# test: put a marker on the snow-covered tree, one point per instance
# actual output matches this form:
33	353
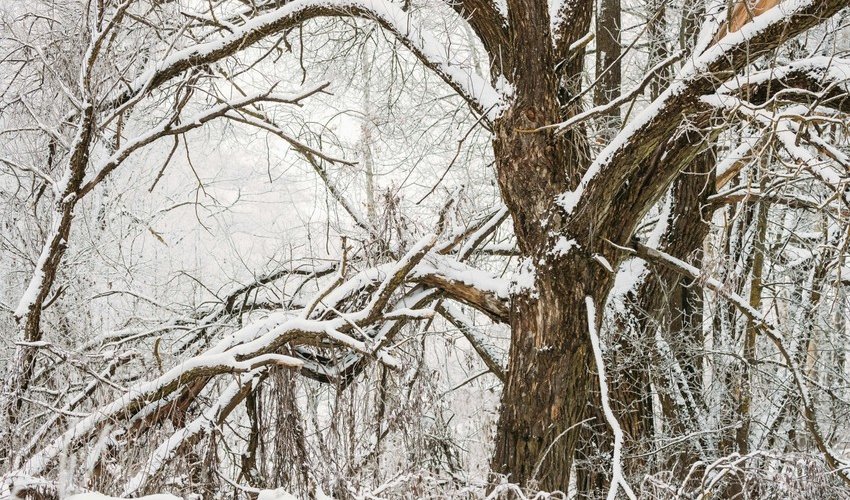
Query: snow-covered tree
672	220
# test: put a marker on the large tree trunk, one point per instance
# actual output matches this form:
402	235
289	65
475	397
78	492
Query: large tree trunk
548	381
550	378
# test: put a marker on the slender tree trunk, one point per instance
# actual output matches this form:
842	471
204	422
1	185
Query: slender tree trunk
659	49
366	61
742	435
608	68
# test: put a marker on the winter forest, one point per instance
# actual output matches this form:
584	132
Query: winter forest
444	249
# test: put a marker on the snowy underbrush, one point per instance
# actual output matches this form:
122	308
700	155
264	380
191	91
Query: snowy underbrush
790	476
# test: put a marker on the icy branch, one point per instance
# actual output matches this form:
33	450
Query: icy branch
618	479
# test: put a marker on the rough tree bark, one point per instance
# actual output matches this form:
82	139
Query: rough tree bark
548	381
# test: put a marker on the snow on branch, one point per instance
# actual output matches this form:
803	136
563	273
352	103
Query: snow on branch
639	138
36	283
618	479
213	416
823	69
787	132
483	231
466	284
764	326
477	91
728	167
651	75
139	396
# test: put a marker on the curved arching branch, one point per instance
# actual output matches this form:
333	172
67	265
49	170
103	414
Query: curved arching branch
487	22
475	90
260	344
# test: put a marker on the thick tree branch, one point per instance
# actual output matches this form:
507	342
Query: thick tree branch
623	163
487	22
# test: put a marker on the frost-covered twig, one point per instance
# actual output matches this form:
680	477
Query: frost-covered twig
833	460
213	416
618	479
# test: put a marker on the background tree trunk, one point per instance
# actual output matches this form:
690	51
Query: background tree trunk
608	67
